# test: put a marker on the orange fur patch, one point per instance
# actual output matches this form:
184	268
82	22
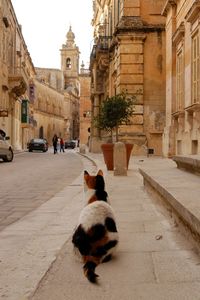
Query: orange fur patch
91	180
92	199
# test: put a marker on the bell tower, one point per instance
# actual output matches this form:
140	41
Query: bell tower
70	63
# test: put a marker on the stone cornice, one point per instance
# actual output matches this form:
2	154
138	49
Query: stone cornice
194	12
167	6
137	24
179	33
139	36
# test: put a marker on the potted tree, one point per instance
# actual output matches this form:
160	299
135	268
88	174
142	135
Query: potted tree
114	112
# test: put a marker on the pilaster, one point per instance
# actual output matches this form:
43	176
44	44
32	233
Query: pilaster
130	72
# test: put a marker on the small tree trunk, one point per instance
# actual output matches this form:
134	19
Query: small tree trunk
117	136
112	136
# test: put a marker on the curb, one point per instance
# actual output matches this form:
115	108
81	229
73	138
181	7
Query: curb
185	212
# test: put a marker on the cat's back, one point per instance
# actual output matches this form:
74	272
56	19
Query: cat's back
95	212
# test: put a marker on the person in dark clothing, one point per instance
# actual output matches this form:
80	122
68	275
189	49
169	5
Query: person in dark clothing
55	141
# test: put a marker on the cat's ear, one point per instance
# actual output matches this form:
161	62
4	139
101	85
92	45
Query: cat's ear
100	172
86	174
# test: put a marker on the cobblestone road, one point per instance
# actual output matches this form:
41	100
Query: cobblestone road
33	178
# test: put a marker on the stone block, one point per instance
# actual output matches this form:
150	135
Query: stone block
120	161
132	68
134	58
132	3
134	79
131	48
138	109
137	119
132	11
82	149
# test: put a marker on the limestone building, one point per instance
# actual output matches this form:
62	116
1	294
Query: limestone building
16	77
35	102
65	81
85	105
182	130
129	55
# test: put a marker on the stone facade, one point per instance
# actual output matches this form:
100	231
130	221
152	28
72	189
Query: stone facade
35	102
85	105
48	112
66	82
182	130
16	74
129	55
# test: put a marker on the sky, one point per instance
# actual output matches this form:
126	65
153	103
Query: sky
45	24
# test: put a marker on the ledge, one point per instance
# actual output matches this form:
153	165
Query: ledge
192	108
177	114
178	192
188	163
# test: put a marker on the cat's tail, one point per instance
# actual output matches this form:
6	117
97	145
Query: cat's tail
89	271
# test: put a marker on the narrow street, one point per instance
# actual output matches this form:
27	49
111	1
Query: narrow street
42	192
32	179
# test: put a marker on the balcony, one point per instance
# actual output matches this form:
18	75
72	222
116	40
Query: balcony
18	81
100	52
104	43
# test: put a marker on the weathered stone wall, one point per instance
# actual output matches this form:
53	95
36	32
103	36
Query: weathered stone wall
49	111
181	134
85	108
132	58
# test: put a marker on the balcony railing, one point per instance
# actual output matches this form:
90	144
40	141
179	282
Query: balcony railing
18	80
104	42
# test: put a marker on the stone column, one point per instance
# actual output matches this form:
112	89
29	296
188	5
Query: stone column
119	158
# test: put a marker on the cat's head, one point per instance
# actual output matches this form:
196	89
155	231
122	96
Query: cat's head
94	187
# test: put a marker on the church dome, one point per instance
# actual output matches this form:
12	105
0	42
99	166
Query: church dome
70	35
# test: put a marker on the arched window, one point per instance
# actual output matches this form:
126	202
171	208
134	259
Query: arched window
68	63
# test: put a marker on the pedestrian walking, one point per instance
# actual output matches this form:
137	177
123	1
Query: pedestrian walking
62	148
55	141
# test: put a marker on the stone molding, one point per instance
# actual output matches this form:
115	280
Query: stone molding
179	33
194	12
168	4
137	24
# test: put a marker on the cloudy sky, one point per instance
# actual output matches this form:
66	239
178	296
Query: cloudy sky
45	24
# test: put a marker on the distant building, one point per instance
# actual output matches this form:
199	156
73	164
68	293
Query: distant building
66	82
36	102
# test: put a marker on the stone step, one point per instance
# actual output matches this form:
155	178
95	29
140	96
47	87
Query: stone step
179	191
190	163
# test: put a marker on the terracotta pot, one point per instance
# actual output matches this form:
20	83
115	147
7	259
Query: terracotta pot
108	154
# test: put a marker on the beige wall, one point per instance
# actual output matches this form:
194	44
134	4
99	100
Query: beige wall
16	73
51	109
129	55
48	111
85	107
181	134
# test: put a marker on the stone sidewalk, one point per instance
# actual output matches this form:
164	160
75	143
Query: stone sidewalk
154	260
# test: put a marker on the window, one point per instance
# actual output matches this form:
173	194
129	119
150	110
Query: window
179	81
194	147
68	63
195	68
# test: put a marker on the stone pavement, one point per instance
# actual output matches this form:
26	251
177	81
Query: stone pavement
154	260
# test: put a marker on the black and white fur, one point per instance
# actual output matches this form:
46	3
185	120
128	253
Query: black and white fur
96	235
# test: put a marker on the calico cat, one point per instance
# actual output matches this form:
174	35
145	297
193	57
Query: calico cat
96	235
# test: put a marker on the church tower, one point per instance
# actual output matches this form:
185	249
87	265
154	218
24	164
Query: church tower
70	63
